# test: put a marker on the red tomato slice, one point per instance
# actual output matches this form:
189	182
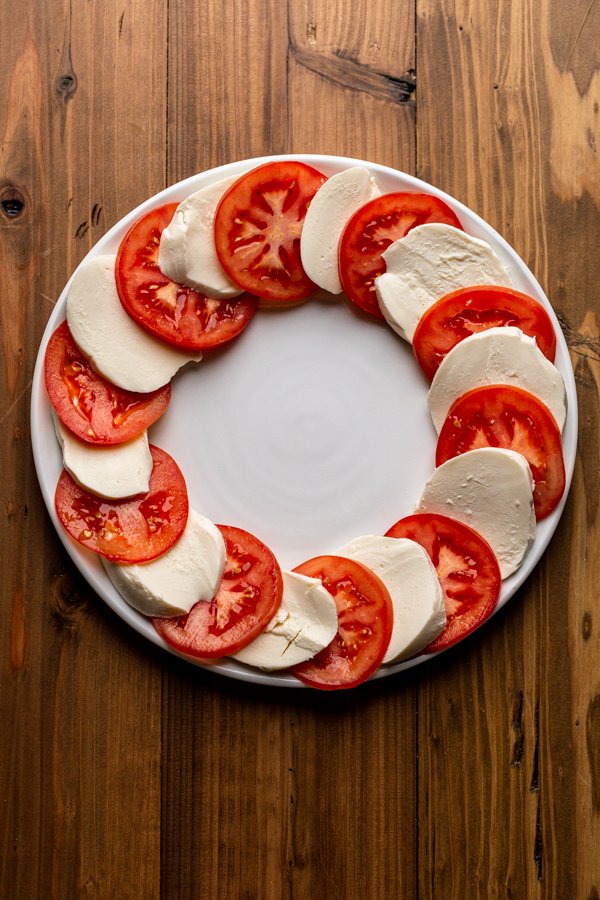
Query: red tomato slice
508	417
134	530
372	229
170	311
472	309
365	619
91	407
467	569
258	225
247	599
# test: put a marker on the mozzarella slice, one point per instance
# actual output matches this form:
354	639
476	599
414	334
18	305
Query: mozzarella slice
114	472
191	570
114	344
497	356
187	252
429	262
329	211
492	491
305	623
416	592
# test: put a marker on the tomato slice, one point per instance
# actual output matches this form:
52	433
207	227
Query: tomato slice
472	309
372	229
134	530
365	619
173	312
258	225
248	597
91	407
466	566
505	416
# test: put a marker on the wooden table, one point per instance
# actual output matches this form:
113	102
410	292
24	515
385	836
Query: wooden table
126	774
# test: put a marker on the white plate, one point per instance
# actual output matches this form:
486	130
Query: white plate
310	429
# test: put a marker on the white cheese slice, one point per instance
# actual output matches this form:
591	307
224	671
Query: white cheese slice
190	571
114	472
492	491
329	211
416	592
187	252
497	356
305	623
429	262
114	344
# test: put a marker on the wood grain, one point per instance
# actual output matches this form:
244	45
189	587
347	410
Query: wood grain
508	122
126	774
80	742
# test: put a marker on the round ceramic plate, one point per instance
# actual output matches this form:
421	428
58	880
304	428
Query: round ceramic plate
309	429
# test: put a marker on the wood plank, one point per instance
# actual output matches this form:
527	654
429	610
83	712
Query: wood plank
351	79
270	793
273	797
508	732
227	83
80	697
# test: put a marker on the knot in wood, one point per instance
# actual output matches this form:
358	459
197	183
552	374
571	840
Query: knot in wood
12	201
405	85
586	626
67	601
66	85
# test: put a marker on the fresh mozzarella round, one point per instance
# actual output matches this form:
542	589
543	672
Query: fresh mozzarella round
171	584
116	347
429	262
491	490
329	211
305	623
416	592
187	252
114	472
497	356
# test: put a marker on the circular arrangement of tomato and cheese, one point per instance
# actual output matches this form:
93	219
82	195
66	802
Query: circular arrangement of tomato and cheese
188	279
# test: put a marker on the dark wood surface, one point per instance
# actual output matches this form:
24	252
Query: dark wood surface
127	774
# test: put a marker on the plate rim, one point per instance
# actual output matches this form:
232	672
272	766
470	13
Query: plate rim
96	576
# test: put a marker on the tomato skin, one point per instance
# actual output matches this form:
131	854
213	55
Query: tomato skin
258	224
363	603
472	309
252	574
172	312
92	408
467	568
135	530
508	417
372	229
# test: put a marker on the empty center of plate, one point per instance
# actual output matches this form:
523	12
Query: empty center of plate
308	430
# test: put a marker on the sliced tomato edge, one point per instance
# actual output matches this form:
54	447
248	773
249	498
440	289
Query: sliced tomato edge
546	509
86	439
344	239
210	657
498	579
112	557
451	295
184	345
333	686
484	616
